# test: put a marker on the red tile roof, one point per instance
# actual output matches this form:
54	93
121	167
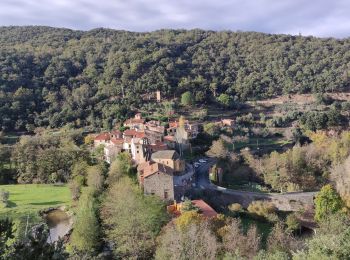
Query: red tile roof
169	138
117	141
102	137
205	209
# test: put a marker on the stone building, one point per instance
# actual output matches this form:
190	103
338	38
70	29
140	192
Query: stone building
169	158
158	179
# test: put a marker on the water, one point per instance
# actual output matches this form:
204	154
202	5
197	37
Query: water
59	224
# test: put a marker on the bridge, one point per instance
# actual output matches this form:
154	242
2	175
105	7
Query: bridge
291	201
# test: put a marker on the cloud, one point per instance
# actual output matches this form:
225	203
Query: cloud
320	18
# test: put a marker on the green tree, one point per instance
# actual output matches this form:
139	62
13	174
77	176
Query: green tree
86	230
327	202
120	167
132	221
211	129
95	178
187	99
225	100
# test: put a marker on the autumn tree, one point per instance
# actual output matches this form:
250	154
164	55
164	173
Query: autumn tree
340	174
237	243
195	242
218	149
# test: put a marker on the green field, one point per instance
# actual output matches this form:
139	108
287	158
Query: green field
27	199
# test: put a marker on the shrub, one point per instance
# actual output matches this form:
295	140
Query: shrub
263	209
292	222
235	208
187	205
4	196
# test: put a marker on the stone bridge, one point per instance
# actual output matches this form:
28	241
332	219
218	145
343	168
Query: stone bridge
292	201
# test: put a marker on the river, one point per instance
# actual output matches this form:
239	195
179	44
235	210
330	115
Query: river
59	224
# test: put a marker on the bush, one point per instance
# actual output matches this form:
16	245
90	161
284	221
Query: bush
292	222
4	197
263	209
235	208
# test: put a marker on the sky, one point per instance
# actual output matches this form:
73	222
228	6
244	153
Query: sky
323	18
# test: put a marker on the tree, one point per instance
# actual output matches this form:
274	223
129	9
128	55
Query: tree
131	221
236	243
6	235
187	99
35	246
327	202
75	189
292	223
225	100
195	242
120	167
95	178
332	240
212	129
218	149
85	235
340	174
280	240
187	218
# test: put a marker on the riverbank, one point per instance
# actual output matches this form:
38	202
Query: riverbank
26	200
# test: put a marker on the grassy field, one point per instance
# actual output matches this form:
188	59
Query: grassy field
27	199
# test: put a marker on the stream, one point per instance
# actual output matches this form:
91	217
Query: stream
59	224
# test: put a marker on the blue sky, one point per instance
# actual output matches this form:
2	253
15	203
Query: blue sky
322	18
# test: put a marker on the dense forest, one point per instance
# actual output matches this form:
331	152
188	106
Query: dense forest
51	77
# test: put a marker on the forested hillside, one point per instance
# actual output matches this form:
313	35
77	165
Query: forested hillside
50	77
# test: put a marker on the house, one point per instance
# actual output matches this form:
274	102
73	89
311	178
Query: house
158	146
170	141
112	149
116	134
158	180
102	138
169	158
127	144
137	150
154	136
132	133
227	122
135	123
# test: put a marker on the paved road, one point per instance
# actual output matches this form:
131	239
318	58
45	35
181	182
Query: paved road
284	201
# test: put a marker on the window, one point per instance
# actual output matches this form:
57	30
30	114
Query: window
153	192
166	194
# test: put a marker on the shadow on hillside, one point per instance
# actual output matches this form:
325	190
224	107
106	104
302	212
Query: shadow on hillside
47	203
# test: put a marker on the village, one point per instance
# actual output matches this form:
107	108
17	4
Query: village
157	152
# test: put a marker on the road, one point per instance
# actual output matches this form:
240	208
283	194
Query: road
291	201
